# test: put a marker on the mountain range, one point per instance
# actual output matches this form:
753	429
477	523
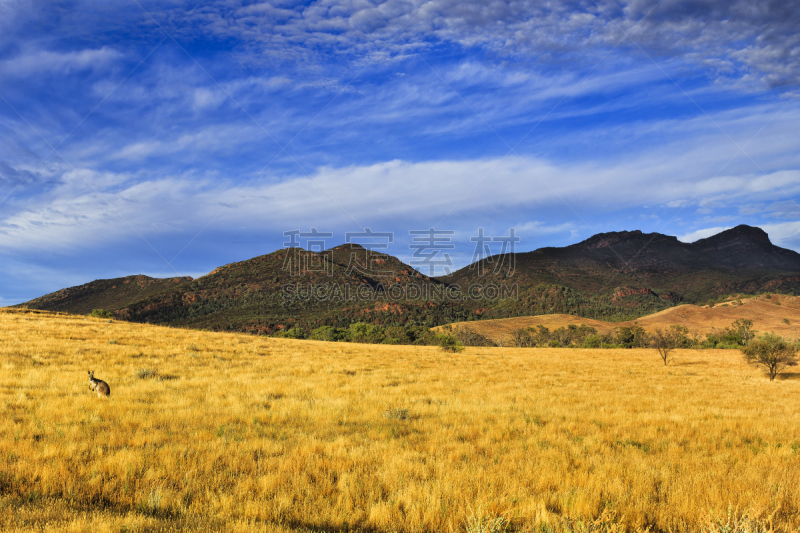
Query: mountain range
610	276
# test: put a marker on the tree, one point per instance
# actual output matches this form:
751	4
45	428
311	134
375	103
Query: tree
664	342
771	352
631	337
522	338
324	333
467	337
744	329
101	313
448	343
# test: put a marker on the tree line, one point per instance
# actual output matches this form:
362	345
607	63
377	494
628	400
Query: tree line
768	351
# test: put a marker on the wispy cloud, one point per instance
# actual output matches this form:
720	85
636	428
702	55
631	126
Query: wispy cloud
701	234
224	123
47	62
740	42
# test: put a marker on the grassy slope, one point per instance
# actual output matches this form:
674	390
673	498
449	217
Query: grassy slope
766	314
257	434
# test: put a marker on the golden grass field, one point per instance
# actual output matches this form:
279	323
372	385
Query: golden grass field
225	432
767	314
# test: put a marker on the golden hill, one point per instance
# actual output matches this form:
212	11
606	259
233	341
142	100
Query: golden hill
767	314
227	432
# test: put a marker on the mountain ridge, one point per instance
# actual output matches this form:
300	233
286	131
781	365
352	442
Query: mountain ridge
614	275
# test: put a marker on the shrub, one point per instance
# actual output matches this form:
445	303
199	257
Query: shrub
101	313
397	333
592	341
448	343
467	337
292	333
324	333
771	352
146	373
366	333
486	523
632	337
397	413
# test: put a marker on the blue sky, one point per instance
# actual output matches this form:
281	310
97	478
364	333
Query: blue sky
168	138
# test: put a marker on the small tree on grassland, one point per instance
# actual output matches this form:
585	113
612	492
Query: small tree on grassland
664	342
449	343
771	352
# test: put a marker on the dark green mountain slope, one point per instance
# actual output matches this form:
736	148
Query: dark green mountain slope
108	294
293	287
611	276
649	270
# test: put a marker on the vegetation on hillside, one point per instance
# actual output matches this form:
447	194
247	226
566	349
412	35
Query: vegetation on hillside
613	277
737	335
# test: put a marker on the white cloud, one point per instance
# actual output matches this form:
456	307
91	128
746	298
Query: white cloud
37	62
737	41
377	195
702	234
785	234
208	99
538	228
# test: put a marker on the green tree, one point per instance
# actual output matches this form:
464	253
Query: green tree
744	330
771	352
625	336
364	333
396	333
324	333
292	333
593	341
449	343
467	337
541	337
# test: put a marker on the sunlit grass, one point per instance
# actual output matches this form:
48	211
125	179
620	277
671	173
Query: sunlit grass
209	431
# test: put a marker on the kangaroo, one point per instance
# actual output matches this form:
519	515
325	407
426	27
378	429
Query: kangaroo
100	386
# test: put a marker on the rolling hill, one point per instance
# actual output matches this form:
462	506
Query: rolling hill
270	292
104	294
741	259
778	313
609	277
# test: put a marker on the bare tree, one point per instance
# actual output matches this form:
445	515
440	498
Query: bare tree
771	352
502	340
664	342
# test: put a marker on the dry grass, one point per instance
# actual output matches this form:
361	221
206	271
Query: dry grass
779	314
259	434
